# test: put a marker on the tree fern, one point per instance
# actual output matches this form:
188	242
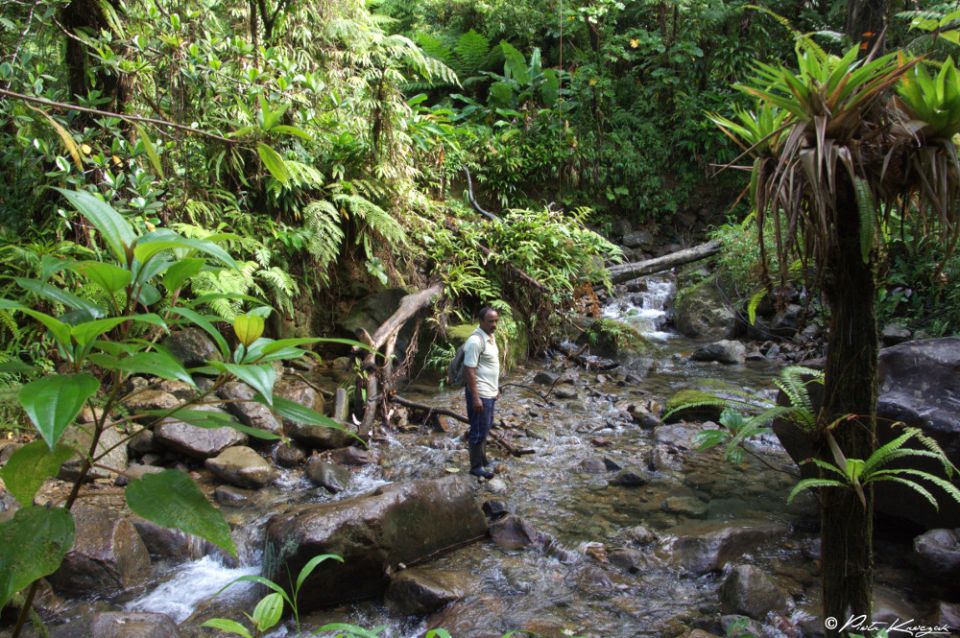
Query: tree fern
472	49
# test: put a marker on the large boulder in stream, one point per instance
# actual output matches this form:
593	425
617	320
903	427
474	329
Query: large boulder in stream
919	386
701	311
243	467
309	436
704	546
420	591
397	523
107	556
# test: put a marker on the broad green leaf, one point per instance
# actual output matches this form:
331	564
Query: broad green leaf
84	333
248	328
312	565
30	466
204	323
110	277
53	293
290	130
346	630
159	364
274	163
179	272
229	626
307	416
53	402
171	499
116	231
268	611
514	63
151	151
259	377
145	250
32	545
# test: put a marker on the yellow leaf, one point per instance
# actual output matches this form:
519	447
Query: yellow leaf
65	137
86	149
248	328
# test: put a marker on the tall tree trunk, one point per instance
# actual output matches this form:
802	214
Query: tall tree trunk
866	20
846	548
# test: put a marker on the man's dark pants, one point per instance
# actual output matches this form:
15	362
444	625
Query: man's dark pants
480	422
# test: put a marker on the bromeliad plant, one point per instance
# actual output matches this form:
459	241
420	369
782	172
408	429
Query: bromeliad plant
98	346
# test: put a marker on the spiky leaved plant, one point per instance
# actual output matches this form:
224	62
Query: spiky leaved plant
850	155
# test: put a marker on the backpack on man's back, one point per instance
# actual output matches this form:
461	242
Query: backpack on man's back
456	373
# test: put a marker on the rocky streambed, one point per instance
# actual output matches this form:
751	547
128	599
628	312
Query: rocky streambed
609	524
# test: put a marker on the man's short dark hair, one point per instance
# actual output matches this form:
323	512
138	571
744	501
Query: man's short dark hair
486	310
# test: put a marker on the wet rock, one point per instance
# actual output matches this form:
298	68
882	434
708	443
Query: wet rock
288	455
565	392
704	546
496	486
512	532
193	347
483	616
700	633
938	552
593	581
8	505
194	441
310	436
611	466
726	352
422	591
640	535
629	478
786	322
890	606
110	442
893	334
351	456
243	467
688	506
747	590
495	509
150	399
642	239
142	443
233	496
327	475
107	556
397	523
701	311
164	543
948	615
592	466
678	436
630	560
250	413
136	471
133	625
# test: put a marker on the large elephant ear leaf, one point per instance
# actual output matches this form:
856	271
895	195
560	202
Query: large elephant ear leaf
171	499
30	466
32	545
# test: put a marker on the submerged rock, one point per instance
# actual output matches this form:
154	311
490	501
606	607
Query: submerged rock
397	523
704	546
133	625
512	532
422	591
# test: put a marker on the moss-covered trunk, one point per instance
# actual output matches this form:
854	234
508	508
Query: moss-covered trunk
850	389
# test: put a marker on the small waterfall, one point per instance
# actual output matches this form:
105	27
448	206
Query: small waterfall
645	310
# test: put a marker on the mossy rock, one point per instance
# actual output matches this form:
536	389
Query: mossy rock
700	310
609	338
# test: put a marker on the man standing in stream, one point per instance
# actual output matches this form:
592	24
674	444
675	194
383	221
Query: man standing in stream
481	362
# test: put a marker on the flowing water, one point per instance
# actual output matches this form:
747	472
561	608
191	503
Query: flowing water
618	565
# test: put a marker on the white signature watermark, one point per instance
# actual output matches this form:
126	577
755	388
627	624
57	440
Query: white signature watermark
908	627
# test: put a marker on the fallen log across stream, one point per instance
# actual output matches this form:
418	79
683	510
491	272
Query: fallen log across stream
625	272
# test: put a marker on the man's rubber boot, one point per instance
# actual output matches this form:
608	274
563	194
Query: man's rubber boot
476	462
483	457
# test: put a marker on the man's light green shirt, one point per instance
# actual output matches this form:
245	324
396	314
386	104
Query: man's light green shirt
487	363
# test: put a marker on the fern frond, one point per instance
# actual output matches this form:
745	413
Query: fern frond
919	489
807	484
946	486
323	219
